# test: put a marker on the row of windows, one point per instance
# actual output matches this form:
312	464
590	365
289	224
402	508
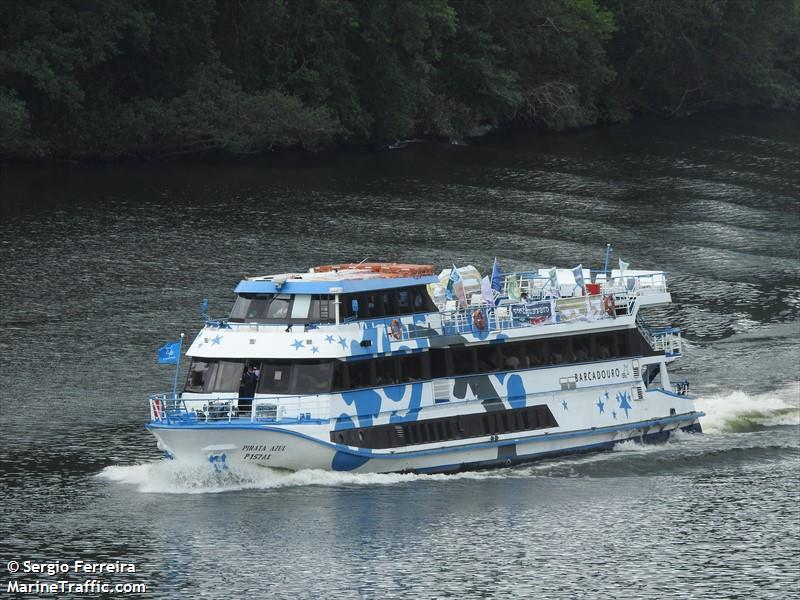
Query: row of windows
283	376
319	308
387	303
447	428
283	308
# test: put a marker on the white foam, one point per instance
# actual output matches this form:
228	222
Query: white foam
639	447
740	411
175	477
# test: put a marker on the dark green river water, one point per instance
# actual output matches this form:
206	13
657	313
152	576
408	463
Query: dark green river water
99	265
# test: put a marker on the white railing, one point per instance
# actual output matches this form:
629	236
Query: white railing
481	317
166	409
662	339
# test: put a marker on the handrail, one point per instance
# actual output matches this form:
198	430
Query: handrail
167	409
661	339
516	315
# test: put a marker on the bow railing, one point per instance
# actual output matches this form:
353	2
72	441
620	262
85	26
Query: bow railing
164	408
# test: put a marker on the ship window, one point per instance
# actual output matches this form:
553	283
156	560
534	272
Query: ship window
208	375
388	303
411	368
279	307
228	376
341	378
322	309
274	377
439	363
373	302
463	361
301	306
361	373
311	377
198	373
249	307
488	358
556	351
386	371
240	307
404	302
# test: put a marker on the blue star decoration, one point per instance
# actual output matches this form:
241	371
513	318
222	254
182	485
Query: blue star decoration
215	341
343	342
614	414
601	405
314	349
564	404
297	344
622	398
329	339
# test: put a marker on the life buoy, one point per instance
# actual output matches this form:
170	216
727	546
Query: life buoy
396	329
157	409
609	306
478	319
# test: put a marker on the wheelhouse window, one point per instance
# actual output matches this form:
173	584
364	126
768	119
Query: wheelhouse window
279	307
282	308
211	375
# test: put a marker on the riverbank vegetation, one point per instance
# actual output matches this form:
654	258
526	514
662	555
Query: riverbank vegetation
111	79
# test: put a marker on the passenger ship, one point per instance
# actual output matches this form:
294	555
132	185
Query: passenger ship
357	368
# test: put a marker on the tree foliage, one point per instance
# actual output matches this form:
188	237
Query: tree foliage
145	78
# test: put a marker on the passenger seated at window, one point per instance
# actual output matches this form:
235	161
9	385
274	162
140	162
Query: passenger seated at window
512	362
582	355
603	352
556	358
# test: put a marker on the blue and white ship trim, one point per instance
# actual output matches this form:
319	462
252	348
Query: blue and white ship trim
368	369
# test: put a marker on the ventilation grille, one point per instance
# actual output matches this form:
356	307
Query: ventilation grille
441	390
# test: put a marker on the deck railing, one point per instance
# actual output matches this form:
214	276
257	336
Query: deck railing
482	318
662	339
165	408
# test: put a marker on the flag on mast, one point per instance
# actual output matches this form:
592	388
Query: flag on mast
169	353
486	291
578	273
451	283
553	275
496	276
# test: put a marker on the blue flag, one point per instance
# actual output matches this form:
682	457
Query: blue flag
496	276
451	282
578	273
169	353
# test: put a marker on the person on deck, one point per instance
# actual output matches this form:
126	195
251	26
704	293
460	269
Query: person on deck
247	389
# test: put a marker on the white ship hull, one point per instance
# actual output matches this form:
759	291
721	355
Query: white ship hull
228	445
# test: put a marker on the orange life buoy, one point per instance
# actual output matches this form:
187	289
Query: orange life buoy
478	319
157	409
396	329
609	306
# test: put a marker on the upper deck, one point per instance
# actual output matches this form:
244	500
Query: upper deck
350	312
